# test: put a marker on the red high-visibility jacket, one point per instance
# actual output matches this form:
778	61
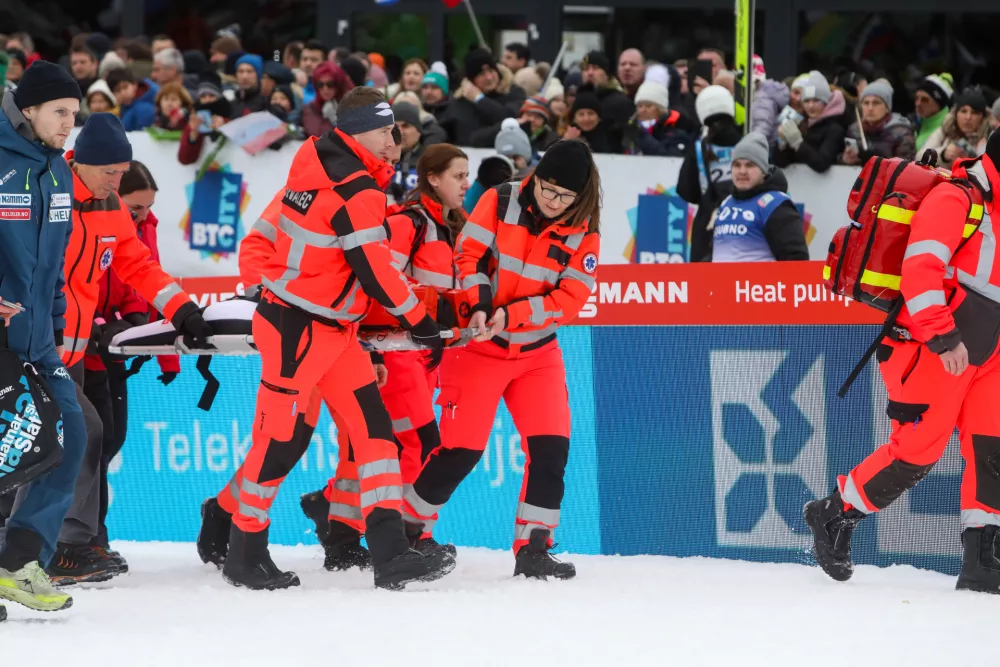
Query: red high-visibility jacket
422	244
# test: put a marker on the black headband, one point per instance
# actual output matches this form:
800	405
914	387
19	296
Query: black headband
365	119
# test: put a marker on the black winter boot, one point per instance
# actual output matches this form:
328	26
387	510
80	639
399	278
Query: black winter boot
534	561
249	563
317	508
79	564
832	528
981	560
213	538
425	545
343	549
396	564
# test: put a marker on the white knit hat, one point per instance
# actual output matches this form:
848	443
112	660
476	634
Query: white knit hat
651	91
800	81
658	74
440	68
101	86
713	101
554	90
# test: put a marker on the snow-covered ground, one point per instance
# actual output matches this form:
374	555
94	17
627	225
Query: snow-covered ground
172	610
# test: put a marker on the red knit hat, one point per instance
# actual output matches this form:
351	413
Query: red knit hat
539	105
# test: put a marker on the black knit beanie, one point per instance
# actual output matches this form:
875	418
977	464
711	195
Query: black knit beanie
566	163
586	98
44	82
475	60
598	59
355	71
972	97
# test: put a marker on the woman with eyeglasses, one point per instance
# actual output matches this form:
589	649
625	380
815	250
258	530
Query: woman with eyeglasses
527	259
105	387
331	84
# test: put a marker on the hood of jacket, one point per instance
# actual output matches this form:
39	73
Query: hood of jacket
149	96
834	109
774	181
334	158
776	91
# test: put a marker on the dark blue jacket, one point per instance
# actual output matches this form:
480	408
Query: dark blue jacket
142	112
36	217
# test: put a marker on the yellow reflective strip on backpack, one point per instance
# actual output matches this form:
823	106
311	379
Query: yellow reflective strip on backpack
826	273
880	279
895	214
969	230
977	212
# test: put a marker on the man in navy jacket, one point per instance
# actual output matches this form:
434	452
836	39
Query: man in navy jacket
36	213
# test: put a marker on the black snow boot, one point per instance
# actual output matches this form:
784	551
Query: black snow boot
395	563
317	508
343	549
424	545
213	538
981	560
832	528
249	563
535	561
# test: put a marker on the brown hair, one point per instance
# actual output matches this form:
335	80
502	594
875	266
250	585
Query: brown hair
136	178
586	209
416	61
174	88
362	96
437	159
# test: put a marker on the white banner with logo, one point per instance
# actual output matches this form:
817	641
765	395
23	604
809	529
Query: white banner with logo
201	220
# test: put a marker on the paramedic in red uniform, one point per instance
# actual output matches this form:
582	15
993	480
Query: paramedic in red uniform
104	237
423	228
330	257
941	368
527	258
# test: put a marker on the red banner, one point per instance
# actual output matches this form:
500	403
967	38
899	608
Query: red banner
680	294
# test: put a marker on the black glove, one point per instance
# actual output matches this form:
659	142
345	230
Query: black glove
428	333
167	377
108	332
96	334
190	324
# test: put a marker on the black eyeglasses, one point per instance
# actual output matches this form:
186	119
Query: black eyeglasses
552	195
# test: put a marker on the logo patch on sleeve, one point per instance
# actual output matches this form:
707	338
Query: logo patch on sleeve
60	199
60	215
299	201
106	258
590	262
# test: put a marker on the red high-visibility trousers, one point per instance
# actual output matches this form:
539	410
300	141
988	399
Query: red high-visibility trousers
472	383
926	404
299	355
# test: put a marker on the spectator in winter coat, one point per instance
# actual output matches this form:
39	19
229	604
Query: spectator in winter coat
482	101
588	124
555	93
410	80
616	106
412	147
706	174
283	98
932	101
655	129
136	98
212	111
516	56
274	74
83	63
769	98
886	134
758	222
100	98
313	53
16	64
434	91
818	140
220	49
631	71
529	81
174	107
249	71
168	67
965	129
512	142
535	121
430	129
356	70
331	84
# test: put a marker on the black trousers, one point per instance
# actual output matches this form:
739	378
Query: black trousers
109	395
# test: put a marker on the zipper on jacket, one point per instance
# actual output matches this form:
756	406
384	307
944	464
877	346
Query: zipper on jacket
93	262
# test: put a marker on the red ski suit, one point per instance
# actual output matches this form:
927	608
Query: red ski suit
952	296
541	273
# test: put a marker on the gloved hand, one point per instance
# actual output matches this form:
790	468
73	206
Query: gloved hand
428	333
167	377
791	133
96	334
194	328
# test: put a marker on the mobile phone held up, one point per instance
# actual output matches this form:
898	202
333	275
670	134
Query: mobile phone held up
699	68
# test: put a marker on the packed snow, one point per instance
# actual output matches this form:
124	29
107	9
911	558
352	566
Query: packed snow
647	610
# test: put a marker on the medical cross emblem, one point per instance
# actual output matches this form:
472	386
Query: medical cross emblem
590	262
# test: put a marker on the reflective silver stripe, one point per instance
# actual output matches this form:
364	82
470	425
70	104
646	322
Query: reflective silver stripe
279	287
254	513
75	344
402	425
934	297
380	467
362	237
575	240
979	518
408	305
473	231
509	263
426	524
234	485
981	281
382	493
258	490
299	233
399	260
432	278
419	505
523	338
266	229
535	514
513	215
468	282
949	272
522	531
935	248
164	296
540	274
431	234
538	313
573	274
851	495
346	511
347	485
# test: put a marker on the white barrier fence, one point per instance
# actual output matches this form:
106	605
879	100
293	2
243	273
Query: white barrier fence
202	222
